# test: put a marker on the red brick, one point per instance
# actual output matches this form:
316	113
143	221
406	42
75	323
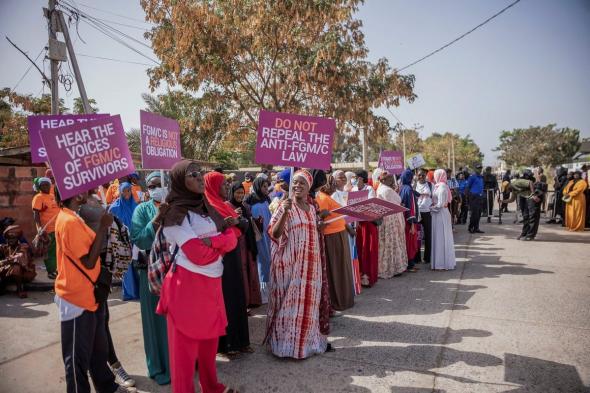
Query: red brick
25	186
4	201
24	171
23	199
5	171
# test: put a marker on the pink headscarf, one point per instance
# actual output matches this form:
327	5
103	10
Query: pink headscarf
440	177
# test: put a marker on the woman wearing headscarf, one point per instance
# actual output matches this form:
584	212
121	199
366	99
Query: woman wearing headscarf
575	208
443	245
505	188
259	203
247	246
339	273
281	190
124	206
143	232
237	338
349	176
293	328
393	257
191	296
367	237
409	201
16	262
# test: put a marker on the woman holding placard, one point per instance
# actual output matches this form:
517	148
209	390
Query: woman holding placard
393	258
367	238
293	328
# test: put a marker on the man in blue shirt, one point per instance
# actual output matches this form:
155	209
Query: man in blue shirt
474	192
462	186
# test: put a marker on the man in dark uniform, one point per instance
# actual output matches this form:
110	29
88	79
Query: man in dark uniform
490	185
474	192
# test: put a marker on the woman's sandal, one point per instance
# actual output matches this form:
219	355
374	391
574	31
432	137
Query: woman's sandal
247	349
330	348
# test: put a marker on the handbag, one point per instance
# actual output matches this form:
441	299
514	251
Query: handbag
102	285
566	198
41	241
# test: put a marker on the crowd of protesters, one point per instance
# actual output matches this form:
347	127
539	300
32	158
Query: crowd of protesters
236	245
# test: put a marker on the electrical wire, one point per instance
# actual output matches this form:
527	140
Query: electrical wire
110	59
112	13
460	37
27	71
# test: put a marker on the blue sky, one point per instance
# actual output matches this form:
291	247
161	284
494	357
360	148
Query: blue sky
527	67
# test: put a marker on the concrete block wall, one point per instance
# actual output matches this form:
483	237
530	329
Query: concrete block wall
16	195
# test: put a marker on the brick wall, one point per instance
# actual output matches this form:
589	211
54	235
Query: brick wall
16	195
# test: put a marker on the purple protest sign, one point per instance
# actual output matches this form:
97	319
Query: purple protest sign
353	198
294	140
371	209
86	155
160	141
392	161
46	122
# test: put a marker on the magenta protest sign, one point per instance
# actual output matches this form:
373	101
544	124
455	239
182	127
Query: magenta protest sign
160	141
48	122
353	198
370	209
294	140
392	161
86	155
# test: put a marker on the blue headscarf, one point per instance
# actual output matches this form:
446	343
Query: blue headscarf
285	175
152	175
123	208
406	192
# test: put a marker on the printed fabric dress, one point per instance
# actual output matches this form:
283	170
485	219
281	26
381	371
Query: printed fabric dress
293	328
393	257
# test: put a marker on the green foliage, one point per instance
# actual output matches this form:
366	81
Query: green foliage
79	108
538	146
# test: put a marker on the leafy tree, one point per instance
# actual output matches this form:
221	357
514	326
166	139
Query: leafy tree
438	150
134	140
291	56
414	143
79	108
535	146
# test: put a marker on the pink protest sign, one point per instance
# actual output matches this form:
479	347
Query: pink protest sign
48	122
355	197
160	141
371	209
392	161
294	140
86	155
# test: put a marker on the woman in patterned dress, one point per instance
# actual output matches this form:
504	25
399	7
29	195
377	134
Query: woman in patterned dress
293	328
393	257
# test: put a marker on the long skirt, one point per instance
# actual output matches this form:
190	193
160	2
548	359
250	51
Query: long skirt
155	336
393	257
367	244
340	281
443	246
238	336
249	275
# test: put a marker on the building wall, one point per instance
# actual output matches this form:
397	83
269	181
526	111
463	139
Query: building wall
16	195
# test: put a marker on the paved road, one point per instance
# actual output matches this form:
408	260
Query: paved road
513	317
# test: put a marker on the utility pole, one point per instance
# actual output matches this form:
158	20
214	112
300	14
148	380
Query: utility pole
453	153
57	53
52	27
365	150
404	143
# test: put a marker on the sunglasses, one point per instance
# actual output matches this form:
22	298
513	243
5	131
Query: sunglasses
193	174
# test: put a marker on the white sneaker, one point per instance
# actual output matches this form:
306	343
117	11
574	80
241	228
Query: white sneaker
122	378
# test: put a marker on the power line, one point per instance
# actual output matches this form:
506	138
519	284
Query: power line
108	31
27	71
460	37
112	13
117	60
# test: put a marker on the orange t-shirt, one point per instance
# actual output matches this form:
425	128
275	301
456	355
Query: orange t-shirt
325	202
247	186
135	190
74	239
47	207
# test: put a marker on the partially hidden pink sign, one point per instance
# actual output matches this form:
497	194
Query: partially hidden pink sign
86	155
371	209
294	140
48	122
160	141
392	161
